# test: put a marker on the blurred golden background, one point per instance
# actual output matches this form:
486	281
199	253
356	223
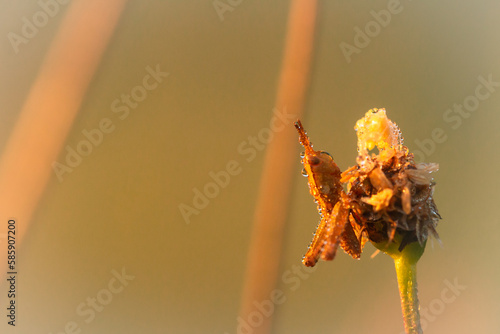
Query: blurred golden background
201	79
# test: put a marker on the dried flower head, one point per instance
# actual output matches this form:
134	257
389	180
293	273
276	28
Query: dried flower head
386	193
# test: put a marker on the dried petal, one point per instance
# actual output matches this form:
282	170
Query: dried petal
380	200
422	173
406	200
379	180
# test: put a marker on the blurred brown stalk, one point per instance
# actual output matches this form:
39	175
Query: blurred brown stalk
275	184
51	107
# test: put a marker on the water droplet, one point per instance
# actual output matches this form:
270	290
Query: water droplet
323	152
302	154
304	173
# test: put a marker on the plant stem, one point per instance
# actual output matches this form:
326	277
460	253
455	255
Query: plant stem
406	272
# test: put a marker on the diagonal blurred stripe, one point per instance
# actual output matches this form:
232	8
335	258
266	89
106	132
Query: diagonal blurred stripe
275	184
52	105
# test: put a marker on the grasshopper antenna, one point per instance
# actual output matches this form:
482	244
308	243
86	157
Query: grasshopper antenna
303	138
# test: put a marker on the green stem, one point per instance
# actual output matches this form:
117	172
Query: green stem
406	272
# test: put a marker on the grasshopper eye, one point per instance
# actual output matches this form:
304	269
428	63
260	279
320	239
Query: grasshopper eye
314	160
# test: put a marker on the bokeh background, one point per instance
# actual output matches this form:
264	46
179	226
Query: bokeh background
120	207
